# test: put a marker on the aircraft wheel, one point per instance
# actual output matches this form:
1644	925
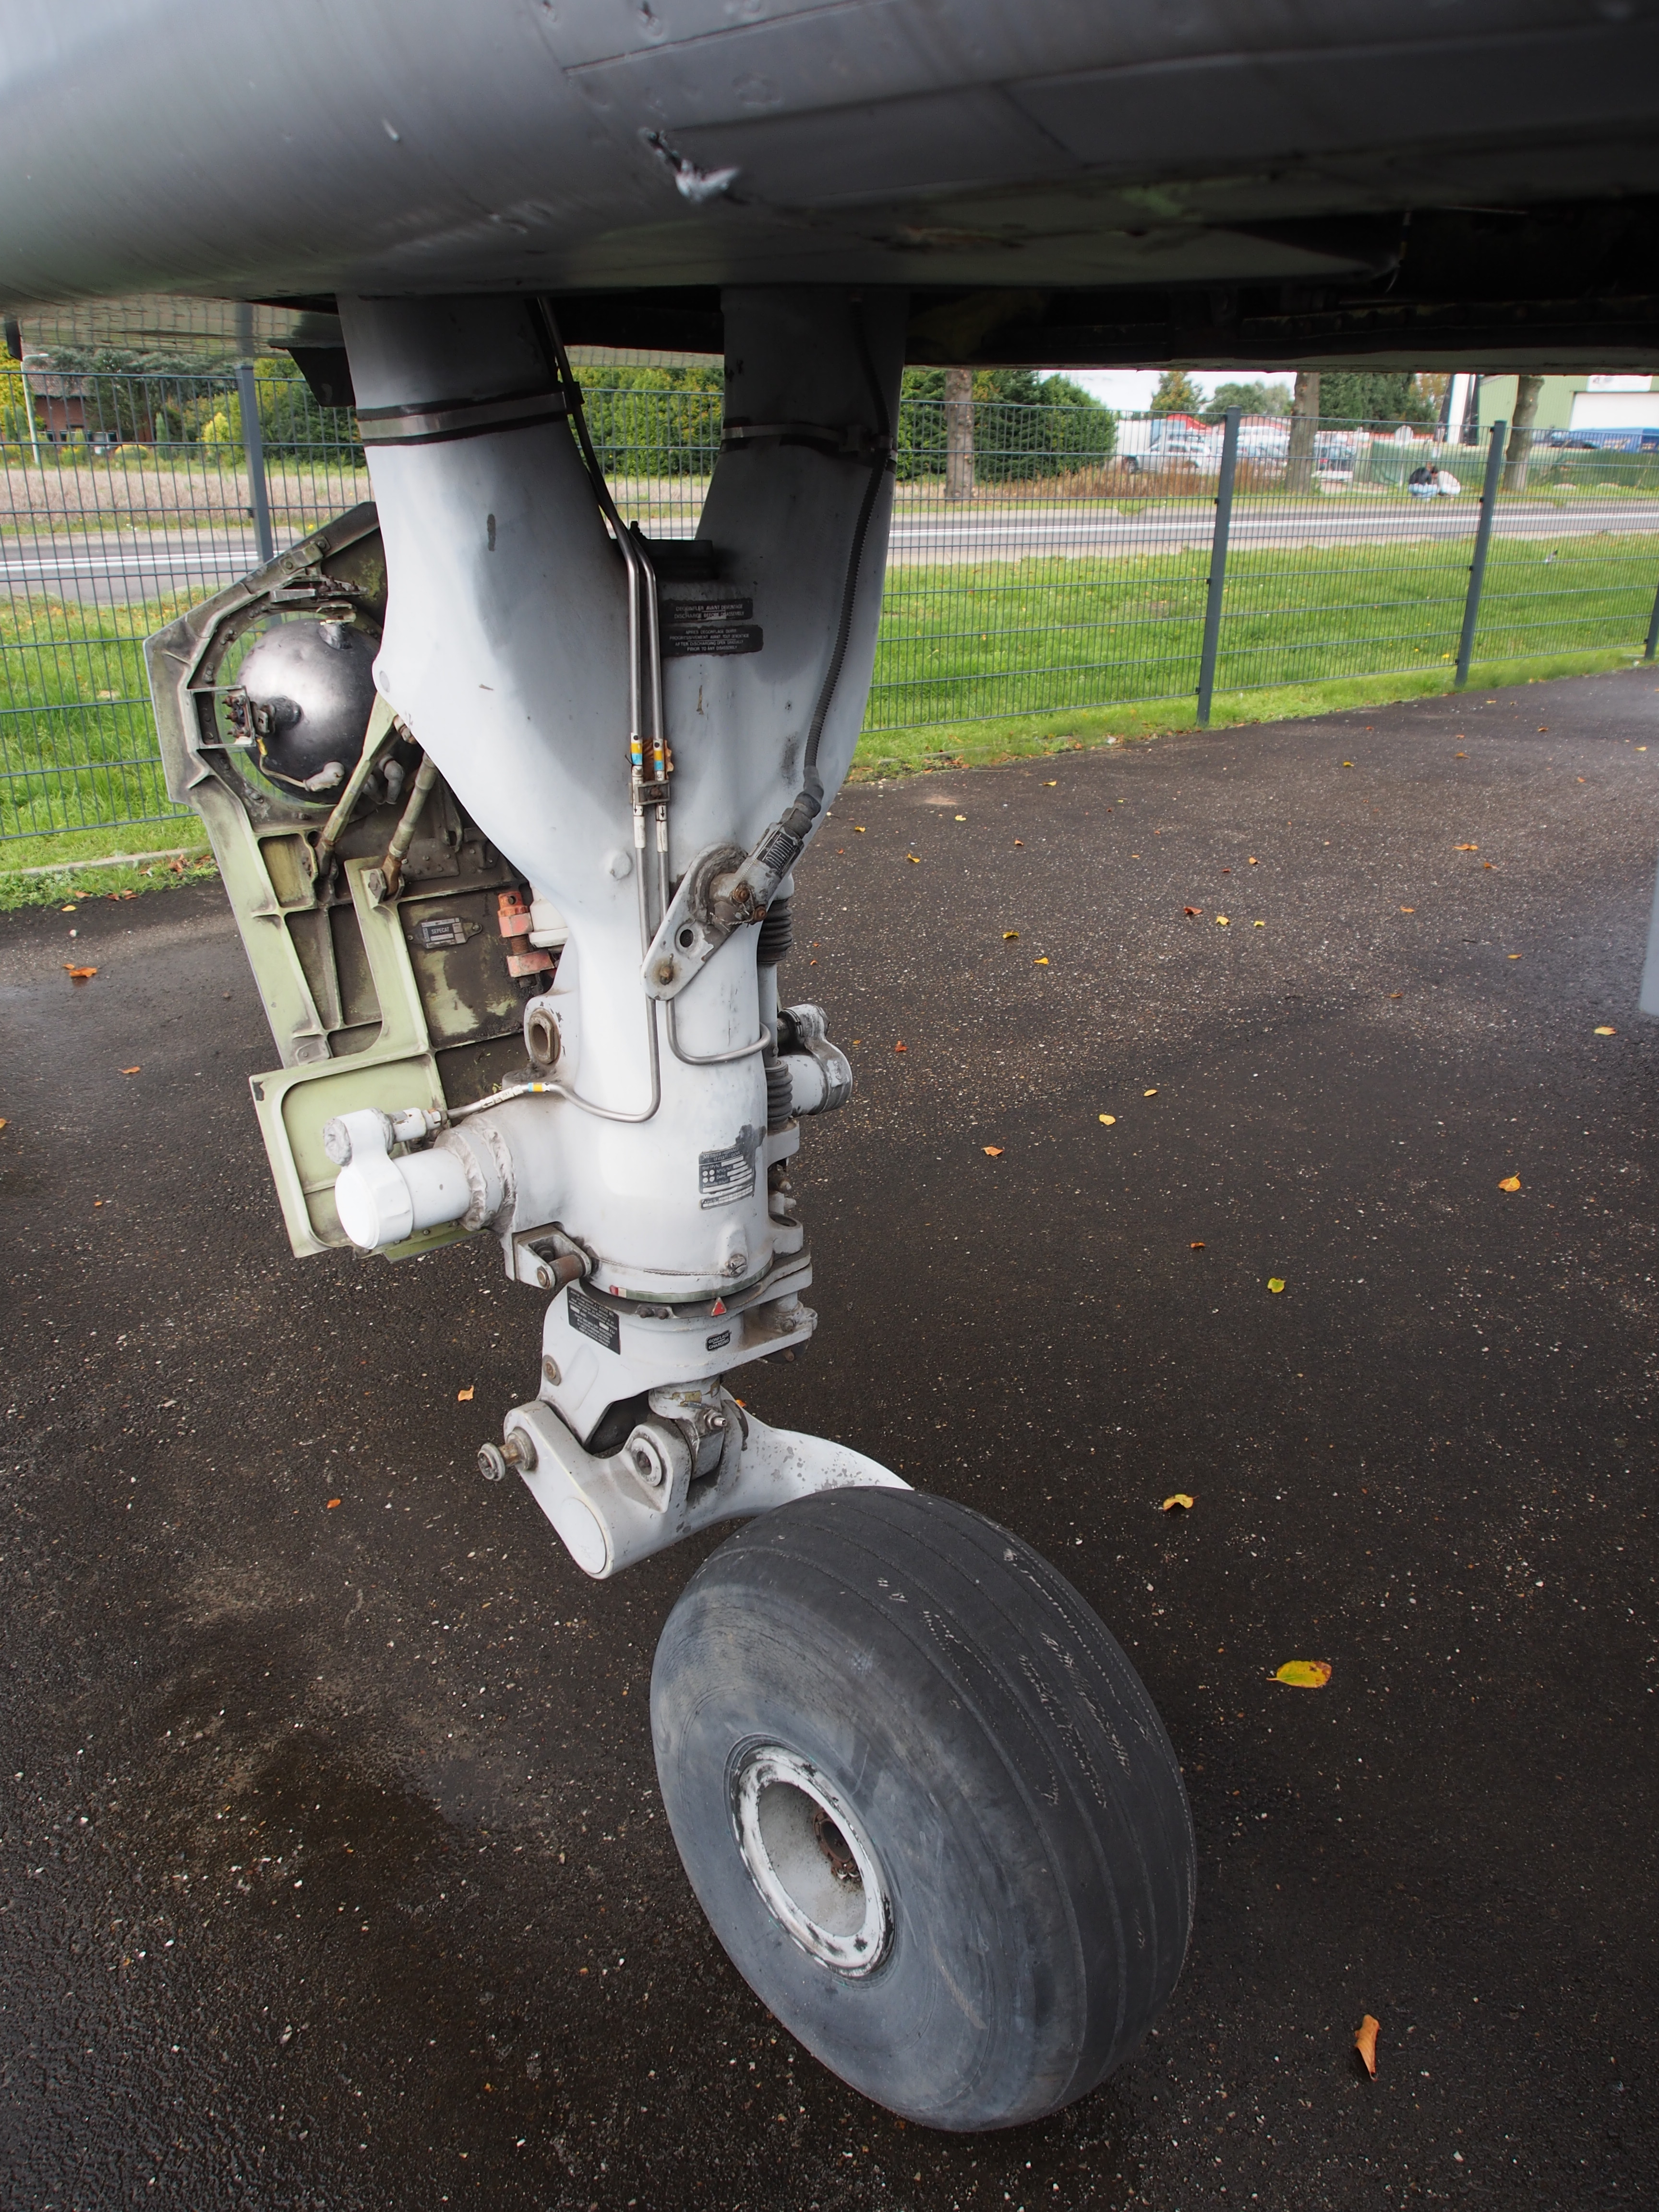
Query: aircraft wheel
925	1803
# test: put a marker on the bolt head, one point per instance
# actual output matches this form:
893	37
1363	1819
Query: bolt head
647	1466
664	971
492	1462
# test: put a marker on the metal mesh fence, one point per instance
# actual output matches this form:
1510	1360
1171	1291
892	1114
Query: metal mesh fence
126	498
1043	559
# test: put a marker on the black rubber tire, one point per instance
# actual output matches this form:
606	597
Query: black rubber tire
1009	1770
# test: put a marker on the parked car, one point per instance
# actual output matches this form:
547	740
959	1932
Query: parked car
1637	439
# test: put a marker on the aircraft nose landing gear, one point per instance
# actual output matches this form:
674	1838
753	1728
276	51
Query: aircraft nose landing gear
925	1803
920	1792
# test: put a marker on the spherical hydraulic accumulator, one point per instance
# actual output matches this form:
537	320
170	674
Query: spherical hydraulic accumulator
304	691
926	1804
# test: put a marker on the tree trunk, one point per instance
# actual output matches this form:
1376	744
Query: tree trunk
958	434
1304	422
1527	389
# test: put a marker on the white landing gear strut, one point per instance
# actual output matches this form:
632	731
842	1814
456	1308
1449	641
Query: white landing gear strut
924	1799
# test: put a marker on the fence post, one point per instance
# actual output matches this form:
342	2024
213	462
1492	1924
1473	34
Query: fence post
253	445
1478	563
1224	522
1653	630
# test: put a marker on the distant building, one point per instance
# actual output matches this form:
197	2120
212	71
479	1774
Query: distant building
1618	400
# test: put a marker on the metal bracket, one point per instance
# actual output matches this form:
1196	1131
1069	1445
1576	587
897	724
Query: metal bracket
696	926
609	1513
722	890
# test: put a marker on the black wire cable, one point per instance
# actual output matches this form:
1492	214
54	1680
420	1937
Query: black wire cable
808	802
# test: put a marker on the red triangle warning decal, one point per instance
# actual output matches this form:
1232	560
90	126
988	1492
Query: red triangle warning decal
718	1307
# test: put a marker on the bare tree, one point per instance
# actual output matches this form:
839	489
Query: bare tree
958	434
1527	389
1304	422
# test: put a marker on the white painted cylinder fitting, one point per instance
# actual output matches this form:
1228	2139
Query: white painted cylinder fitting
820	1078
381	1202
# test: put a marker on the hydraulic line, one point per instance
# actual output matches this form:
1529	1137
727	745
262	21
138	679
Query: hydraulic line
762	1043
391	868
375	740
805	809
648	746
646	743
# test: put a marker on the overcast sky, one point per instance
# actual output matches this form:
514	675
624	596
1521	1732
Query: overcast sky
1131	389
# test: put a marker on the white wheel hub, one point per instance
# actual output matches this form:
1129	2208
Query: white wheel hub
809	1857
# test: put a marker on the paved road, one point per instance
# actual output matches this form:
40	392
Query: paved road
319	1888
112	569
1016	533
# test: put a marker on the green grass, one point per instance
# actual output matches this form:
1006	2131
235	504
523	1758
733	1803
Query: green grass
884	753
1017	640
78	738
974	663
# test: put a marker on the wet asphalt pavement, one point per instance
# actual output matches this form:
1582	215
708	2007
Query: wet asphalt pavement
331	1872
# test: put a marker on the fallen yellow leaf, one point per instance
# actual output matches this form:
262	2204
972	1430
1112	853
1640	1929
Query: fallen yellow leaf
332	1502
1364	2042
1149	1094
1258	925
1254	862
1304	1673
1466	848
1607	1032
1222	919
1009	936
1275	1283
1347	763
961	817
1050	785
131	1071
1179	1503
1107	1118
1196	1247
914	858
1408	909
991	1152
1510	1182
461	1396
1041	960
1514	955
78	975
